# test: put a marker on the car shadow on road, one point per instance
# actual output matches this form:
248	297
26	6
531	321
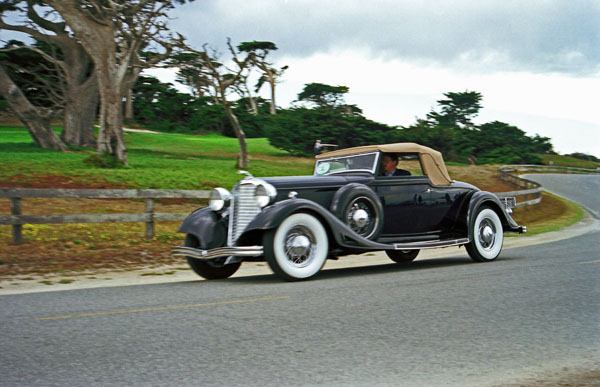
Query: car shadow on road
376	269
356	271
392	267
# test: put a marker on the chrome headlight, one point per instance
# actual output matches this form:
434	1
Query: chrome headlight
264	194
219	199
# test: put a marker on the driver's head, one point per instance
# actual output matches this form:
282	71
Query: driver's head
389	161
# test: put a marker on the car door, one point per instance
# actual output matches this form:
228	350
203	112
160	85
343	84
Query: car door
438	204
404	200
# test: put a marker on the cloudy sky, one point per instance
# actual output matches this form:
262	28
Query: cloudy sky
537	63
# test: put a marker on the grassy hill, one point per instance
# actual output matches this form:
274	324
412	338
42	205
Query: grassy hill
567	161
167	161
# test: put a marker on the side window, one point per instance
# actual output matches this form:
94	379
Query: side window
410	162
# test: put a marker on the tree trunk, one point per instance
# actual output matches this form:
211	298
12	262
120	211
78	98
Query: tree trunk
37	123
272	83
98	39
80	114
110	137
129	105
253	107
241	136
81	95
128	83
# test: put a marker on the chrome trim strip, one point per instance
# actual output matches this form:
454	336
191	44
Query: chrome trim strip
431	244
240	251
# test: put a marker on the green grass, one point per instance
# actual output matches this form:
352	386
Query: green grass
212	144
161	161
566	161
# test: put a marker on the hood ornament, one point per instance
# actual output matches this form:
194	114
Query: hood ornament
248	174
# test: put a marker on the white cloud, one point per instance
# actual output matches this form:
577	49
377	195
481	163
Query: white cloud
540	36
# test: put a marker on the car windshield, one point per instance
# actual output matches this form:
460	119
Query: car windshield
362	162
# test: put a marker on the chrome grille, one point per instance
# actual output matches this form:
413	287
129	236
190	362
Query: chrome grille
243	210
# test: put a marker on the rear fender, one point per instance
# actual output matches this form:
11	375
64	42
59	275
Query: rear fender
483	198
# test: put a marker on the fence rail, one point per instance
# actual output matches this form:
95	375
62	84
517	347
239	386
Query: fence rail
17	219
532	191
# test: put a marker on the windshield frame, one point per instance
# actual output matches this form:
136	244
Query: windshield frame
372	170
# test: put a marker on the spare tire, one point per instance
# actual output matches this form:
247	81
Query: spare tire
360	209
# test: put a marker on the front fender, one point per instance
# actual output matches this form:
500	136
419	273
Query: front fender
272	216
481	198
207	226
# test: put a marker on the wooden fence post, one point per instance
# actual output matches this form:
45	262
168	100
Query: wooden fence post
15	209
150	223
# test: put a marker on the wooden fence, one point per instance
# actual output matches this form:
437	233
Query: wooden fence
17	219
530	190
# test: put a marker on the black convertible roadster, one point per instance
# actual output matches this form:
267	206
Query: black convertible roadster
397	198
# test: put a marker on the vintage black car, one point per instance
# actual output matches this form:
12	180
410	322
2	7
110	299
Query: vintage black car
397	198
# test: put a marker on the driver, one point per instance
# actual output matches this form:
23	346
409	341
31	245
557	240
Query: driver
389	162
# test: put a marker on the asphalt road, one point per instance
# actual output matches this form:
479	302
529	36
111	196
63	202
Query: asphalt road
447	321
582	189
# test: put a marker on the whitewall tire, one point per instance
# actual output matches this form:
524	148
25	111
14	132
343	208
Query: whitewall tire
488	236
298	248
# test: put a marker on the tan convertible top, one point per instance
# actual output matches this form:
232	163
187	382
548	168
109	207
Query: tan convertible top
431	160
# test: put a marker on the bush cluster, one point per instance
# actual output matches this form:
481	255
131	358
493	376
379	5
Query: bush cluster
160	107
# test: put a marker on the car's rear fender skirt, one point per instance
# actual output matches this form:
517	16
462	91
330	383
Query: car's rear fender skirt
483	198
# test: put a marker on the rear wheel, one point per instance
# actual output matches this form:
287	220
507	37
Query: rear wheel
402	256
488	236
298	248
210	270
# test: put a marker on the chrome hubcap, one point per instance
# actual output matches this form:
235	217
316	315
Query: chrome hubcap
300	246
360	217
487	234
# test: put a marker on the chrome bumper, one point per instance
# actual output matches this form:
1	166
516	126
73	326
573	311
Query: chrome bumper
238	251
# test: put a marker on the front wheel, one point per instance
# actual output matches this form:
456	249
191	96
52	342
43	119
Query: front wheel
488	236
298	248
208	270
402	256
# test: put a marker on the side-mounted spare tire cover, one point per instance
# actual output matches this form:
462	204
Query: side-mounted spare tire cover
359	207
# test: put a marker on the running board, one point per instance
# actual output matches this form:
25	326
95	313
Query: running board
430	244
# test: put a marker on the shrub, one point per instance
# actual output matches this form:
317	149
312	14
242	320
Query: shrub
104	161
